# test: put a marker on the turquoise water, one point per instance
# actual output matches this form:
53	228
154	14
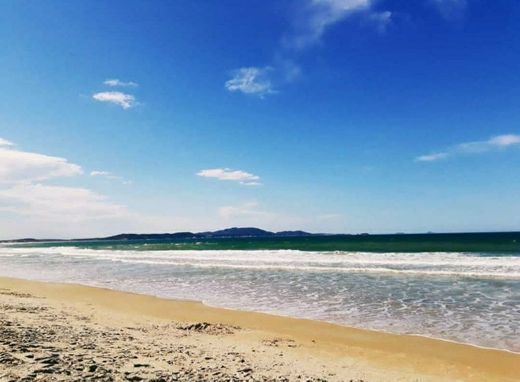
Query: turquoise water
464	288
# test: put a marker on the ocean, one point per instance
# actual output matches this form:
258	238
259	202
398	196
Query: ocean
457	287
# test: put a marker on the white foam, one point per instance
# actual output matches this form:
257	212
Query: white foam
428	264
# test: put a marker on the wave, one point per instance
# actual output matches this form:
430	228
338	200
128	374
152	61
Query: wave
426	264
504	275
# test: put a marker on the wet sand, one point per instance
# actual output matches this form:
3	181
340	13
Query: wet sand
61	332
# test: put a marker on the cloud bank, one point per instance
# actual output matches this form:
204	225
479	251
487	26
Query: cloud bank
23	193
23	166
59	204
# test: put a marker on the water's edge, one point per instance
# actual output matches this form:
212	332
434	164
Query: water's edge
270	314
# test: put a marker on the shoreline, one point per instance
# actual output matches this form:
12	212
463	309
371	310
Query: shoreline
380	353
181	300
381	331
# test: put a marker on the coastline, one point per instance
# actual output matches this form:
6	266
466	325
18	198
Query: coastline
347	353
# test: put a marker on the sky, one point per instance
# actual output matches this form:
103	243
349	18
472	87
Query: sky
340	116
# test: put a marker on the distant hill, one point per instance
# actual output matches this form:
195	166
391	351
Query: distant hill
224	233
150	236
28	240
239	232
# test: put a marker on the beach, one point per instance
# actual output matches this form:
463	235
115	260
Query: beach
54	331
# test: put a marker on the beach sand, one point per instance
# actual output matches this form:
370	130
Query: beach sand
56	332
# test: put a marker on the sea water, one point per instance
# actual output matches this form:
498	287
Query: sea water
470	297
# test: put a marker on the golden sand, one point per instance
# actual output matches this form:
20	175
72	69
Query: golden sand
270	346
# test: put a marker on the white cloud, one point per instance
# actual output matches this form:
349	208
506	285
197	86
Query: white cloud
124	100
228	174
476	147
22	166
251	80
5	142
115	82
505	140
493	143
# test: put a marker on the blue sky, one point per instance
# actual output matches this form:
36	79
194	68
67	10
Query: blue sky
323	115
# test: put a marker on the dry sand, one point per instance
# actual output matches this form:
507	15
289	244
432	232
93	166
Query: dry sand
57	332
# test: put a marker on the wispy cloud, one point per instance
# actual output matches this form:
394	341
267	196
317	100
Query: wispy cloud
475	147
118	83
432	157
251	80
309	23
381	20
109	175
450	8
244	210
316	16
124	100
240	176
101	173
